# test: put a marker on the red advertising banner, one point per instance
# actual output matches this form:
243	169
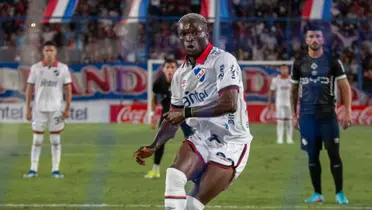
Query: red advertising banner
137	113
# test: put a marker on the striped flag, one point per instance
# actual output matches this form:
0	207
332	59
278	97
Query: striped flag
208	9
137	11
56	9
317	9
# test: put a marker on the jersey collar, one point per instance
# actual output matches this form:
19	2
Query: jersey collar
55	64
201	59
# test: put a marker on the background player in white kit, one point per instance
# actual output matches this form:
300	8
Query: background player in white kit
207	92
48	77
281	86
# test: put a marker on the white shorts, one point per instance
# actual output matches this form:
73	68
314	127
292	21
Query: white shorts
54	121
283	112
223	155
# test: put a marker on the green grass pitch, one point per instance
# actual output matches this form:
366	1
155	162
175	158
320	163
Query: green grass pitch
99	169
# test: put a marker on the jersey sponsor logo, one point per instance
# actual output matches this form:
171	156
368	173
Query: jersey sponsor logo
233	71
322	80
194	97
48	83
222	68
200	74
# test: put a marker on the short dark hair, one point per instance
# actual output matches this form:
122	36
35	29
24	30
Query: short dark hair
195	17
170	60
313	27
50	43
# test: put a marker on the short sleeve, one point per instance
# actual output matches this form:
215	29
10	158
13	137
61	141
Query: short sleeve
176	99
273	84
229	73
67	76
295	73
339	70
32	76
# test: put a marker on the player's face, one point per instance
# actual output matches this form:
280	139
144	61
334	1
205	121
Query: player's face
284	70
50	53
193	36
314	40
169	69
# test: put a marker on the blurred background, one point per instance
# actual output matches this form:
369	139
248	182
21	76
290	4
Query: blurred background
111	46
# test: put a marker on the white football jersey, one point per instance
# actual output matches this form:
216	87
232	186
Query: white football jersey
48	82
282	88
215	72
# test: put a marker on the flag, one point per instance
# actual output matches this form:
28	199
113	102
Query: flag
137	11
317	9
58	11
208	9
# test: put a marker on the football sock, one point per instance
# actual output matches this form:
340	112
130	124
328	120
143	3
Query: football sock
56	151
175	194
158	155
280	130
336	169
36	150
194	204
156	167
315	171
289	129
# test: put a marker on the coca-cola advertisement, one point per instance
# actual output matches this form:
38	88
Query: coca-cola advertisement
137	113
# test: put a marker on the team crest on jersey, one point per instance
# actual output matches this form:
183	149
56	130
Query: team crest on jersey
200	74
56	72
314	66
183	84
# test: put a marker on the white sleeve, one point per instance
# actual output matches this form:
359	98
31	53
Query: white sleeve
273	85
32	76
176	90
229	73
67	76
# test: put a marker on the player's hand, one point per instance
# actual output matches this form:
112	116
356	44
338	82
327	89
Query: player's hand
174	117
66	113
142	153
28	114
346	121
295	123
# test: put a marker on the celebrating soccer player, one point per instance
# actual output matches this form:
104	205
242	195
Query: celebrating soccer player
281	85
207	92
48	77
161	90
316	78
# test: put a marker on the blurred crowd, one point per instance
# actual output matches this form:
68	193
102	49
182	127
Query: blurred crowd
108	40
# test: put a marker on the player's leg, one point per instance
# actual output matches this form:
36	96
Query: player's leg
188	165
312	145
280	124
223	168
331	140
56	126
288	124
38	127
155	171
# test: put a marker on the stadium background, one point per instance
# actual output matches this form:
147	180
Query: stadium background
109	55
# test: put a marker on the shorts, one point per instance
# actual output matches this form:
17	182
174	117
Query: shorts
315	132
283	112
223	155
54	121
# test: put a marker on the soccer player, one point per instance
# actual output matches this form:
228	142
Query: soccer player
316	78
281	85
48	77
207	92
161	90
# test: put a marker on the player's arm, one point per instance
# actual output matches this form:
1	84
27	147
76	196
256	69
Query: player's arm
29	90
68	92
343	84
271	93
228	81
295	78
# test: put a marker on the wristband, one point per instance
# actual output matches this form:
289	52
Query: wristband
187	112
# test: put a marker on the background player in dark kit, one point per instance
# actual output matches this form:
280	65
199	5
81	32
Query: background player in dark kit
316	77
162	94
